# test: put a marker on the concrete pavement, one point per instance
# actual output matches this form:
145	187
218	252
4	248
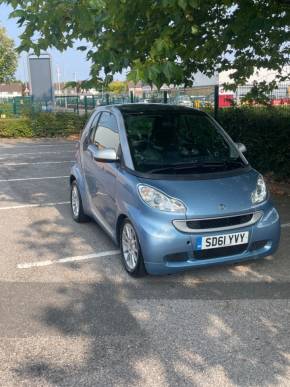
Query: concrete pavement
87	323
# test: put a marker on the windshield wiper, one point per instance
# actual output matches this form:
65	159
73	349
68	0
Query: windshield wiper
163	169
197	165
178	167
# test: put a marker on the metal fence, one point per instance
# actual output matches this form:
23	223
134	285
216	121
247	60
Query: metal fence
204	97
82	104
278	96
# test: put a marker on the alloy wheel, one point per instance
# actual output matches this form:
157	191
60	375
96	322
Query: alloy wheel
130	246
75	201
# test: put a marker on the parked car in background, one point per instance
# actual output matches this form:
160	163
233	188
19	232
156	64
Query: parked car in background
171	188
184	100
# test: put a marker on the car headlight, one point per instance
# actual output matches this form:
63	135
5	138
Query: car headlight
260	193
156	199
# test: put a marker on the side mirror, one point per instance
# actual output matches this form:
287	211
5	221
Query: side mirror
241	147
104	155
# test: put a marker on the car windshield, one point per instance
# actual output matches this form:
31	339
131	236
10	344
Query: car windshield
177	142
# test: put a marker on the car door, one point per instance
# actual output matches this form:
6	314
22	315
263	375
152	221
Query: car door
88	166
101	176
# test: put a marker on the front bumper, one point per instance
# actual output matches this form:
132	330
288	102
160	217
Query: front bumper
167	250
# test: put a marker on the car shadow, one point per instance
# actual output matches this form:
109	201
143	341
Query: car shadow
228	322
218	330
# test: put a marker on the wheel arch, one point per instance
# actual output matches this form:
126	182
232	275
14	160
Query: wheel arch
120	221
76	175
72	178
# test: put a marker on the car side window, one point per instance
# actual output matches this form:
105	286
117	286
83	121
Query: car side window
93	127
106	134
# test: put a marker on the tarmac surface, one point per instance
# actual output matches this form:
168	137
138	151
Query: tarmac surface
71	316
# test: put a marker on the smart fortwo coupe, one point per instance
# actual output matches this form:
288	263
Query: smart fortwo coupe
171	188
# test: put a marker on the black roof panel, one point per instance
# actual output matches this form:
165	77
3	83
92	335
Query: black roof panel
154	107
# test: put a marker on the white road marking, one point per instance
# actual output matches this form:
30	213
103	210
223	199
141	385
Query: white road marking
29	265
33	205
36	163
10	146
33	178
5	155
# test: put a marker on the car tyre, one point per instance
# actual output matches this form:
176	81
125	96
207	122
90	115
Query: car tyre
130	250
77	209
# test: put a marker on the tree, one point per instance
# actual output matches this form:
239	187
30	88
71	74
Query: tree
259	93
8	57
162	41
95	83
118	87
74	85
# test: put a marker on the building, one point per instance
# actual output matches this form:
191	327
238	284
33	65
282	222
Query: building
11	90
259	75
140	88
62	89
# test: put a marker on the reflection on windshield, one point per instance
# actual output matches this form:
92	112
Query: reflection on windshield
178	143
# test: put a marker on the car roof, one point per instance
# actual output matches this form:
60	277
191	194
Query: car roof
135	108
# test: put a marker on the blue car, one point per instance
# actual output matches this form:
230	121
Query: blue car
171	188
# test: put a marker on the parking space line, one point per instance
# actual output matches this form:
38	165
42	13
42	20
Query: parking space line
36	163
33	205
8	146
29	265
5	155
33	178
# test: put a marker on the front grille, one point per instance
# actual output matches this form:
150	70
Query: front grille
201	224
220	252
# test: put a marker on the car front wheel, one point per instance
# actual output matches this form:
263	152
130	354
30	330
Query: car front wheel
130	250
77	205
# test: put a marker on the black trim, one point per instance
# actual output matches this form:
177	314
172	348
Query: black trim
257	245
226	221
220	252
176	257
141	108
192	176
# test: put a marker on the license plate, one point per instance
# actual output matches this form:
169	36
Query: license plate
216	241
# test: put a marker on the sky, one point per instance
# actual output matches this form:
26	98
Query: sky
71	63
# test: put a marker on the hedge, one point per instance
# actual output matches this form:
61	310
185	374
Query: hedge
42	125
264	131
266	134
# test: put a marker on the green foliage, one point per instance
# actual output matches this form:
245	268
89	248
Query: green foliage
264	130
259	93
162	41
56	124
42	125
8	57
6	109
15	127
266	133
95	83
118	87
